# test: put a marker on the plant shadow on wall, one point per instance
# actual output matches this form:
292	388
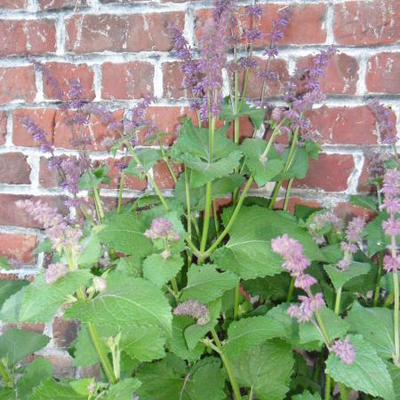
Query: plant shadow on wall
180	298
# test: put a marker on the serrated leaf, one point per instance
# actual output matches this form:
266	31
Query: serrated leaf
36	372
340	278
206	284
307	396
127	302
91	251
266	369
8	288
376	326
159	270
81	385
125	233
147	157
85	353
368	373
367	202
250	332
51	390
123	390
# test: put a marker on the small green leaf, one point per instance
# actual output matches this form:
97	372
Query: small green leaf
148	158
123	390
85	353
51	390
339	278
364	201
307	396
159	270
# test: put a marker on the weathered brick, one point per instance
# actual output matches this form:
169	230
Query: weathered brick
3	127
341	74
64	332
14	169
13	4
64	73
48	177
135	80
18	248
163	177
297	201
120	33
11	215
367	22
348	211
42	117
59	4
38	328
383	73
306	24
330	172
345	125
28	37
62	366
17	83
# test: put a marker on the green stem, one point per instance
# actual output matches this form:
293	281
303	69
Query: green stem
188	210
215	217
396	317
378	279
322	327
251	393
175	287
169	166
287	194
4	374
327	388
236	305
206	222
121	188
245	87
99	206
227	365
338	299
285	168
105	362
291	289
343	391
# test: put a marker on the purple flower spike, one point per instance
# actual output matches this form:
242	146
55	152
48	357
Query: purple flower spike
344	350
194	309
384	122
355	229
54	272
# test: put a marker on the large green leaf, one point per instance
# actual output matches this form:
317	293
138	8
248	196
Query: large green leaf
299	166
159	270
340	278
206	284
125	233
376	326
266	369
39	301
123	390
170	380
248	252
250	332
127	302
51	390
15	344
8	288
263	171
35	373
368	373
395	375
85	353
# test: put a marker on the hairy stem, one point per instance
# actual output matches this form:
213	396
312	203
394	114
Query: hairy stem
236	304
337	301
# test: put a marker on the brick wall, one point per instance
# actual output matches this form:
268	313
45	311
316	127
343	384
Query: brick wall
119	50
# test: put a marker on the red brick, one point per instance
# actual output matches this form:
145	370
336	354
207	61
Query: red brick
172	81
65	136
14	169
383	73
345	125
329	173
42	117
3	127
59	4
11	215
367	22
134	80
28	37
13	4
64	332
163	177
130	182
48	177
348	211
64	73
306	24
120	33
62	366
17	83
297	201
38	327
341	74
18	248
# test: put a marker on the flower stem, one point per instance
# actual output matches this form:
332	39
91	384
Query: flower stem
236	304
105	362
188	210
338	299
121	188
291	289
99	206
287	194
343	391
378	279
227	365
327	388
396	317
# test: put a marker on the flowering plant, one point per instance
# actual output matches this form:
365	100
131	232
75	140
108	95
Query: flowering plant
180	298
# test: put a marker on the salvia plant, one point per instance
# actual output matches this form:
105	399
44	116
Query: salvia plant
188	297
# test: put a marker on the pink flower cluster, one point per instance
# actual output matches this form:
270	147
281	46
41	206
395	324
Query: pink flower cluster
54	272
344	350
194	309
322	222
162	228
296	263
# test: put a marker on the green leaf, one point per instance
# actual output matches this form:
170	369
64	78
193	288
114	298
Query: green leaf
364	201
255	114
85	353
248	252
376	326
339	278
263	171
299	164
177	343
144	343
266	369
8	288
307	396
195	332
250	332
4	264
206	284
335	326
368	373
35	373
125	233
6	394
123	390
91	251
127	302
159	270
94	177
170	380
148	158
395	375
51	390
375	236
